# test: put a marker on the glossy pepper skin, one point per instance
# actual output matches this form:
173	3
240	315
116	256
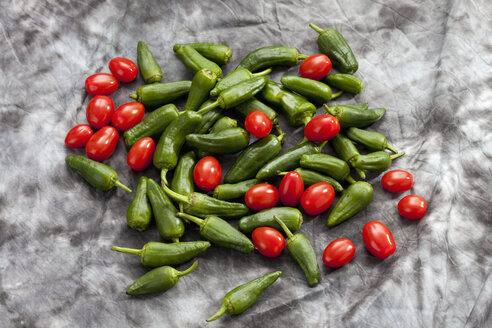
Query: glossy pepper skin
218	53
159	94
254	104
327	164
244	296
234	77
301	249
139	212
371	139
222	124
203	81
311	177
182	182
152	125
221	233
158	280
209	118
155	254
228	141
147	65
97	174
351	116
346	151
332	44
377	161
195	62
271	56
290	216
314	90
235	190
345	82
356	198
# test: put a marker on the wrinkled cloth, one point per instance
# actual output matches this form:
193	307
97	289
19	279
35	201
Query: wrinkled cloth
427	62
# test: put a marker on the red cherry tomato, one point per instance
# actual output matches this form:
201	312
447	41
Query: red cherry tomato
78	136
207	173
141	154
102	144
258	124
291	189
261	197
338	253
128	115
317	198
397	181
315	67
378	239
268	241
99	111
322	128
412	207
101	84
123	69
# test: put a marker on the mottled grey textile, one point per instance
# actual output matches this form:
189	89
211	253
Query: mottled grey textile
427	62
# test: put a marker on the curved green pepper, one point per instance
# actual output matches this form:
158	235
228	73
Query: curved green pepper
218	53
233	191
182	182
271	56
234	77
354	199
228	141
371	139
203	81
290	216
345	82
327	164
209	117
311	89
139	212
195	62
221	125
311	177
350	116
254	104
377	161
158	94
147	65
346	151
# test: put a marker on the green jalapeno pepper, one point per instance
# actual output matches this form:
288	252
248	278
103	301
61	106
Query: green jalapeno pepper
311	177
234	77
97	174
371	139
346	151
218	53
147	65
356	198
244	296
345	82
139	212
271	56
350	116
377	161
155	254
182	182
195	62
158	280
222	124
203	81
327	164
311	89
228	141
290	216
158	94
301	249
254	104
332	44
209	118
233	191
221	233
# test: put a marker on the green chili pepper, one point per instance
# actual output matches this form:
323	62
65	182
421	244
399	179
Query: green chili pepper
269	57
346	151
254	104
345	82
195	62
155	254
311	177
203	81
139	212
152	125
290	216
182	182
169	226
243	297
233	191
222	124
228	141
311	89
301	249
209	118
234	77
158	280
217	53
327	164
97	174
349	116
332	44
371	139
158	94
355	199
377	161
221	233
147	65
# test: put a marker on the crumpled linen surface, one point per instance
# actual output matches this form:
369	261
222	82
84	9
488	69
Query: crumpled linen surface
427	62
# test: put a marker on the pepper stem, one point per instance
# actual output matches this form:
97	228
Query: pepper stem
350	180
118	183
302	56
281	137
397	155
283	173
306	120
330	110
360	172
175	240
192	218
390	147
316	28
322	145
189	270
284	227
336	95
262	73
163	177
303	141
133	96
127	250
174	195
219	313
209	107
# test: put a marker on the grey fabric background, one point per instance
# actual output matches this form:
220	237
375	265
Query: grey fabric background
427	62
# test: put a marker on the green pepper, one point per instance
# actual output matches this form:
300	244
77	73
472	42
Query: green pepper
158	280
350	116
234	77
152	125
377	161
269	57
290	216
155	254
346	151
139	212
371	139
195	62
254	104
169	226
203	81
345	82
243	297
217	53
182	182
97	174
311	89
327	164
332	44
354	199
222	124
158	94
311	177
147	65
209	118
301	249
228	141
221	233
233	191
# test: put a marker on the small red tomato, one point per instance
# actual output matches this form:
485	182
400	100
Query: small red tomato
123	69
99	111
378	239
397	181
291	189
141	154
322	128
317	198
207	173
102	144
268	241
101	84
315	67
128	115
412	207
261	197
338	253
258	124
78	136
